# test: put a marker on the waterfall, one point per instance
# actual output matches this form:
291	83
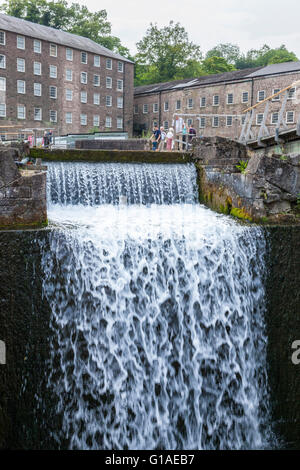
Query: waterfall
157	313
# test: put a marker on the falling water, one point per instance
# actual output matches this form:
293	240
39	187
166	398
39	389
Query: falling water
157	314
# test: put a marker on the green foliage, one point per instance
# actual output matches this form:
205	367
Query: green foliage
164	53
229	52
214	64
73	18
92	130
242	165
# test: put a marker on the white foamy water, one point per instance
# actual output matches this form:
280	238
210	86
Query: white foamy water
158	326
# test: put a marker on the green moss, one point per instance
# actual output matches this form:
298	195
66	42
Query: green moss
240	213
19	226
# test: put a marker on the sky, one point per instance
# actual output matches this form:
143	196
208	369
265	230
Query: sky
248	24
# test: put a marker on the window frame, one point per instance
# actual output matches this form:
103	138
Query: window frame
21	37
51	45
34	89
40	44
40	68
54	88
24	83
214	101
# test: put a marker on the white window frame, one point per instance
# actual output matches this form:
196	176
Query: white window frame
50	115
19	82
155	107
68	117
119	123
120	66
96	120
108	82
19	115
227	98
70	57
259	118
145	108
203	100
286	117
2	43
69	94
2	113
83	74
245	93
108	61
166	106
52	67
35	89
190	103
52	46
39	116
37	50
20	61
272	117
97	62
4	60
86	57
52	87
68	71
98	79
228	120
292	93
216	101
119	84
108	100
176	106
22	38
213	121
34	68
276	98
108	122
2	83
96	99
258	93
120	102
202	120
83	96
166	125
83	119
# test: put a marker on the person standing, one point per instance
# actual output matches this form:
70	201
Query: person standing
156	138
192	133
184	133
162	141
170	136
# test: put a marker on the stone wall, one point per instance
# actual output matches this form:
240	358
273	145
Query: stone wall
22	194
116	144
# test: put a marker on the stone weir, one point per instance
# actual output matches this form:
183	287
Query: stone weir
22	193
253	186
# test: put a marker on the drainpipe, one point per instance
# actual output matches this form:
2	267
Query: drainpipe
159	109
252	86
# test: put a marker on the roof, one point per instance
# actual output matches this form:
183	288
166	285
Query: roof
220	77
38	31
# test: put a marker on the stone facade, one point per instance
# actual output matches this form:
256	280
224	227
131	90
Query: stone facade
76	103
235	94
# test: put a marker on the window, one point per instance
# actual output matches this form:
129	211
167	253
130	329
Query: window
215	122
68	118
202	122
96	98
83	77
96	80
53	71
108	82
83	57
259	118
69	75
166	106
53	116
37	68
276	98
274	118
21	86
290	117
120	85
178	104
155	124
228	120
108	101
145	108
120	66
2	38
83	119
136	109
2	61
37	114
20	42
53	92
243	119
2	110
21	112
216	100
292	93
202	102
96	61
96	120
83	97
120	102
260	95
2	84
69	94
37	89
155	107
245	97
119	123
109	64
37	46
166	125
53	50
108	121
230	98
21	65
190	103
69	54
190	122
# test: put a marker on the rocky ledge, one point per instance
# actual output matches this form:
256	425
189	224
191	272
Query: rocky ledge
267	191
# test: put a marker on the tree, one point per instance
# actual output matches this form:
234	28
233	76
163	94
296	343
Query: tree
215	64
76	19
165	52
230	52
265	56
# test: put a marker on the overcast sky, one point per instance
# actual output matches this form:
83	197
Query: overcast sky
249	24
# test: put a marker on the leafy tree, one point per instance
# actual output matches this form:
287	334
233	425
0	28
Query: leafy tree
215	64
230	52
265	56
165	52
74	18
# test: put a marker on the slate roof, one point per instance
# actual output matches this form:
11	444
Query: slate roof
220	77
37	31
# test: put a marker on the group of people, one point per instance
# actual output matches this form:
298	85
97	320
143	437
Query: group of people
162	139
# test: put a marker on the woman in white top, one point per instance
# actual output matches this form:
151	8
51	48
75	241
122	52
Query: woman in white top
170	136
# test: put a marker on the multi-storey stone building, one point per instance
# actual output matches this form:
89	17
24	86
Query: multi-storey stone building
50	78
215	104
